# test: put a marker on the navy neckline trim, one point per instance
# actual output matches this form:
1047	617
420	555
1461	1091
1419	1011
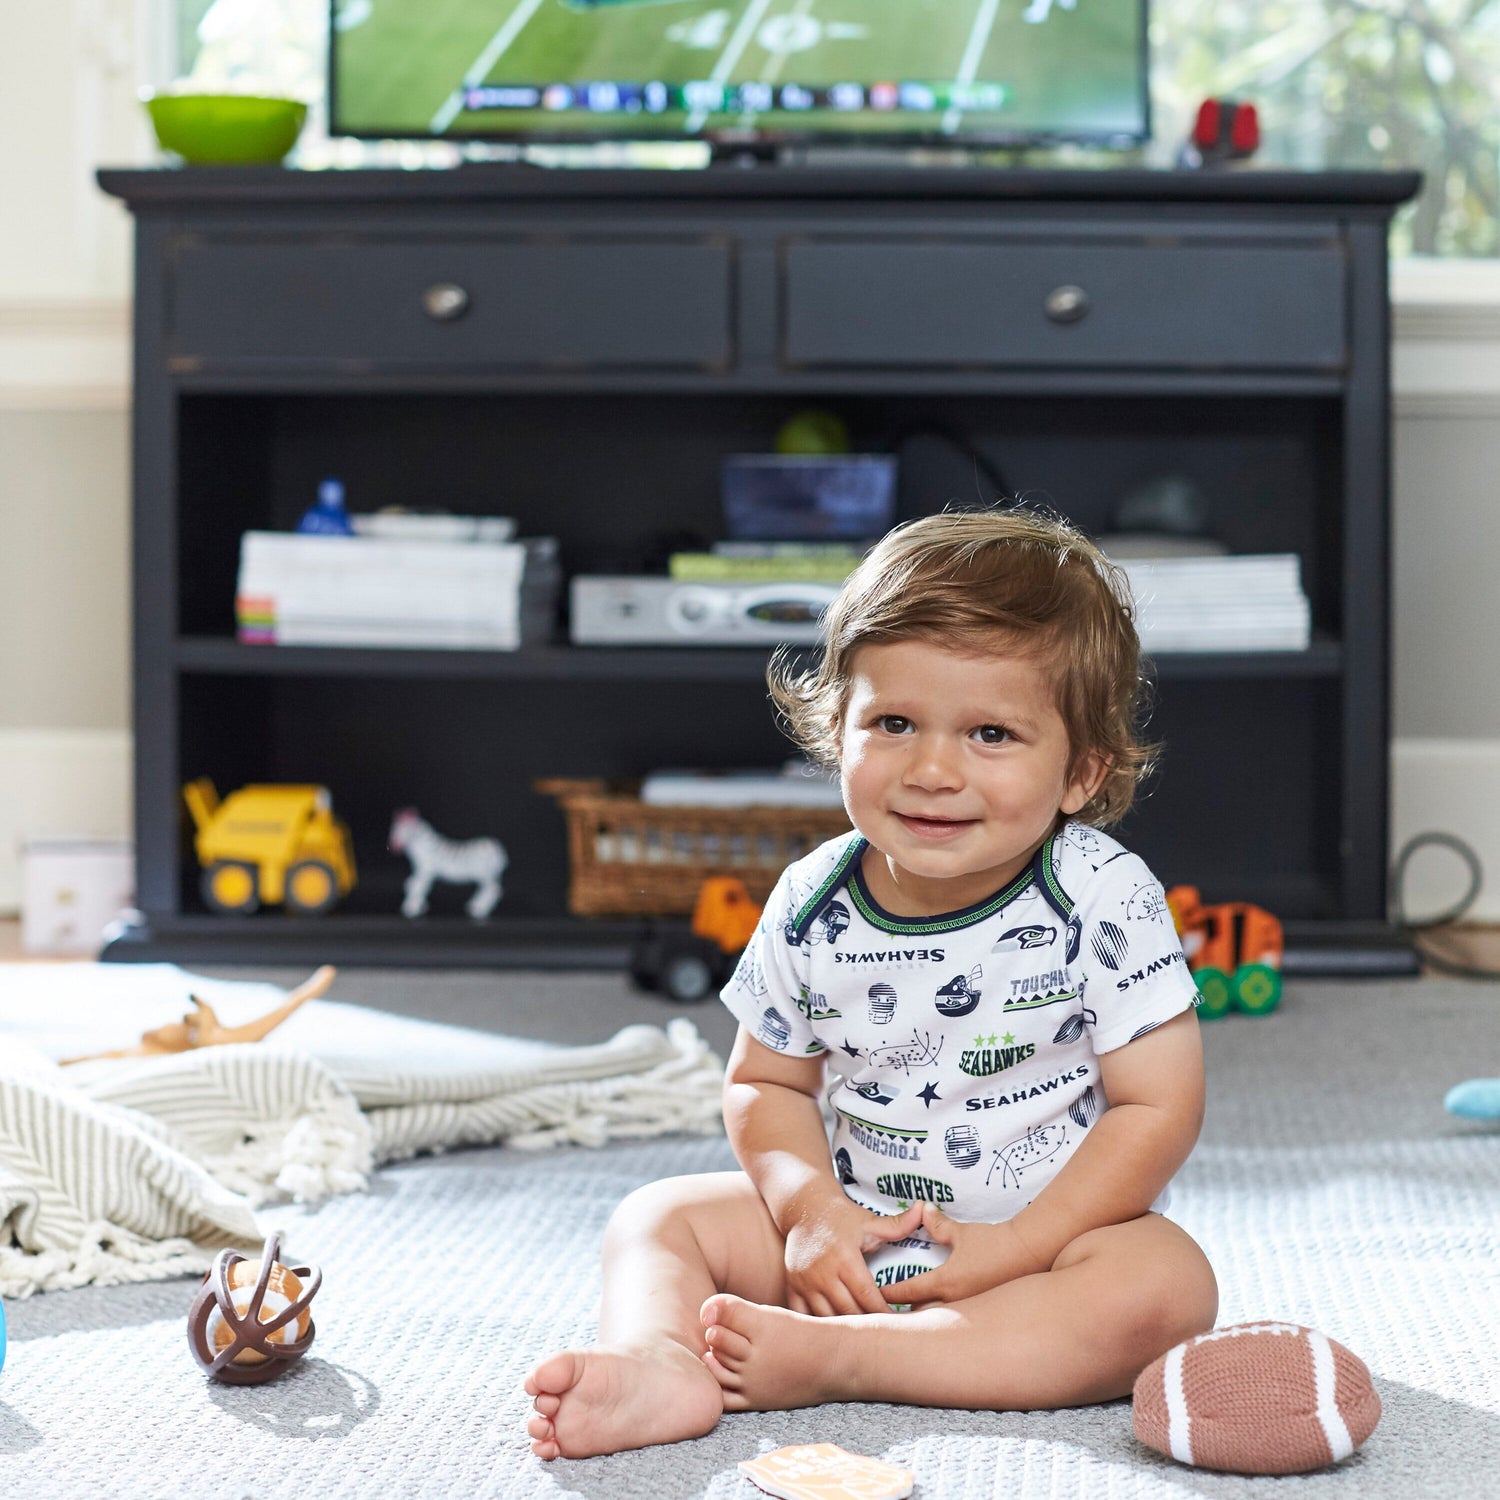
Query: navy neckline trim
848	872
877	916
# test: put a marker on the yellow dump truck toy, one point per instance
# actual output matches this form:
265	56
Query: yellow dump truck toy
270	845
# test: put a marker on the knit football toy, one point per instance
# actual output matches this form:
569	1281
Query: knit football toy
1256	1398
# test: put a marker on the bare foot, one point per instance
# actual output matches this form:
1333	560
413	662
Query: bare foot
769	1359
605	1400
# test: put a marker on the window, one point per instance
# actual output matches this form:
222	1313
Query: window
1338	83
1356	84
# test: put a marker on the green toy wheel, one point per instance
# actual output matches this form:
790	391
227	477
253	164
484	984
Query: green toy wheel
1256	989
1213	985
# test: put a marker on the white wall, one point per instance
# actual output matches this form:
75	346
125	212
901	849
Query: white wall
64	394
1446	545
68	74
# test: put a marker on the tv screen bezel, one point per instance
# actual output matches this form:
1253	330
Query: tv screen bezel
740	139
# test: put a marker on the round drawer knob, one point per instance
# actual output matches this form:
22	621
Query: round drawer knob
445	301
1066	304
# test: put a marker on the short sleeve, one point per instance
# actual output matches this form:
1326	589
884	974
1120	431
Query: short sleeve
762	992
1131	959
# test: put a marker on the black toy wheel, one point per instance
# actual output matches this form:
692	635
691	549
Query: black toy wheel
687	979
691	970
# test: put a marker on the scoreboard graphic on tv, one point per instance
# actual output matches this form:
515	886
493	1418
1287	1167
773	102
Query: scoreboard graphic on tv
1004	70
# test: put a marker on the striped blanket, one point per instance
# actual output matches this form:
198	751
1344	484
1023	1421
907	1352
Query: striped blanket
141	1168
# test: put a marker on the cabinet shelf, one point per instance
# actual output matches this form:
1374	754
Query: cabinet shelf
361	940
215	655
1313	949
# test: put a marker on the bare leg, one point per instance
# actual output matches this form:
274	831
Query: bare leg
669	1247
1113	1301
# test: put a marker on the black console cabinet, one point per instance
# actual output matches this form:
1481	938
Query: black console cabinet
618	334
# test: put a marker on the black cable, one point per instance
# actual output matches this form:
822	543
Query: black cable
1411	929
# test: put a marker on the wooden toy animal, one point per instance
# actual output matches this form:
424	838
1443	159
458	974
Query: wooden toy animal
202	1028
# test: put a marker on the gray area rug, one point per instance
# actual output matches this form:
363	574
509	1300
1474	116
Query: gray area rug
1330	1188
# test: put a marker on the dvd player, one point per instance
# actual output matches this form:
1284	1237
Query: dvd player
649	611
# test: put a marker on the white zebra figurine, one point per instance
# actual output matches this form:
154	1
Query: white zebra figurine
433	857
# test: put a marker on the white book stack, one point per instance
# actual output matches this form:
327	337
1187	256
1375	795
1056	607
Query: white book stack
796	784
300	590
1229	603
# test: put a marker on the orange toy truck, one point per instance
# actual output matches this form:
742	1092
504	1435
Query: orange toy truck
689	965
1234	950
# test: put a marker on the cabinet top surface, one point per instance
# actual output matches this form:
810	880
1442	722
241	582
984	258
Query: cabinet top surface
476	183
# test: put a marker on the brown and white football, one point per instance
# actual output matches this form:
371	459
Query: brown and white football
1256	1398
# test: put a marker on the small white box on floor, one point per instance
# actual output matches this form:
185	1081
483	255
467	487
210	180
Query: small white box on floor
71	890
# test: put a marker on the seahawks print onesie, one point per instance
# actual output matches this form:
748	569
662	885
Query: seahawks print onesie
963	1049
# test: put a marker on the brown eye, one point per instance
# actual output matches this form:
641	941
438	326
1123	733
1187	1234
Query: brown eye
992	734
894	724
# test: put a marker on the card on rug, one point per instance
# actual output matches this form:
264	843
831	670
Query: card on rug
824	1471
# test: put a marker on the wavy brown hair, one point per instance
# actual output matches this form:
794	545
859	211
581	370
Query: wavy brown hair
1007	579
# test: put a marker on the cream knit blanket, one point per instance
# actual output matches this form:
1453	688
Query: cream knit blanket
138	1169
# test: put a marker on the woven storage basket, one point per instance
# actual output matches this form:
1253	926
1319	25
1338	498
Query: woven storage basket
630	859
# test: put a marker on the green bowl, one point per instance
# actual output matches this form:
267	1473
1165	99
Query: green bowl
225	129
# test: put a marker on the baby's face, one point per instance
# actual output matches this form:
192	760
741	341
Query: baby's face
955	768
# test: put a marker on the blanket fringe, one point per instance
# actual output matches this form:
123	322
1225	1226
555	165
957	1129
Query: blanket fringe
105	1255
328	1151
681	1094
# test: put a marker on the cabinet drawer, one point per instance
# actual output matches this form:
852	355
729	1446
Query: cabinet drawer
919	303
566	302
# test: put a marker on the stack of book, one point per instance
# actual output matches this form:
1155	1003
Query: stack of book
797	783
476	594
1228	603
767	562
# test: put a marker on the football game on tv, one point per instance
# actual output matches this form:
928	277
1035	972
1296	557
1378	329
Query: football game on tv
961	71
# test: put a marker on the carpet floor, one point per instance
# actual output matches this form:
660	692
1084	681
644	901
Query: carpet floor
1329	1188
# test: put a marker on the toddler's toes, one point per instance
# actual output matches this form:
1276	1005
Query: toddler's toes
729	1347
722	1309
547	1404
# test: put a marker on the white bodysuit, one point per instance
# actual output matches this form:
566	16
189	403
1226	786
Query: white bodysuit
964	1048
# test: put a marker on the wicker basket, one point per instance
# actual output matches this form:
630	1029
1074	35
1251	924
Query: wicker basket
628	858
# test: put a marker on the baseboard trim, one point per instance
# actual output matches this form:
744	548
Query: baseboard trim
60	782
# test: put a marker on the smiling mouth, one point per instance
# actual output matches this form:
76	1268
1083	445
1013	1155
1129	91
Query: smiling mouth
935	828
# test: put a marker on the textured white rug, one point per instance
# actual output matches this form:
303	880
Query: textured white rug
1330	1188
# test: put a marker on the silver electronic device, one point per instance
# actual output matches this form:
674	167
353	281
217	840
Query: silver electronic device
649	611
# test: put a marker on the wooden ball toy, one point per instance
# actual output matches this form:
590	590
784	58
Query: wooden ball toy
250	1319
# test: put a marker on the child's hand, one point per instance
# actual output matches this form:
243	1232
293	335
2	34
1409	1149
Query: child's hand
982	1256
825	1257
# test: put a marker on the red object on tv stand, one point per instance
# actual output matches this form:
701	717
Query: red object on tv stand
1226	130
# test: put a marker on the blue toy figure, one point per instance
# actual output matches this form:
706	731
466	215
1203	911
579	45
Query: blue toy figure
328	517
1478	1099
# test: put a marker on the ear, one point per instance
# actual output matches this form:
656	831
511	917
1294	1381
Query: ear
1088	776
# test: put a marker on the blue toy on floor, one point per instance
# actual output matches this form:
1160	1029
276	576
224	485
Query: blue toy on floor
1476	1099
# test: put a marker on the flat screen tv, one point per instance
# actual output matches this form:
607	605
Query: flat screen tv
894	72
